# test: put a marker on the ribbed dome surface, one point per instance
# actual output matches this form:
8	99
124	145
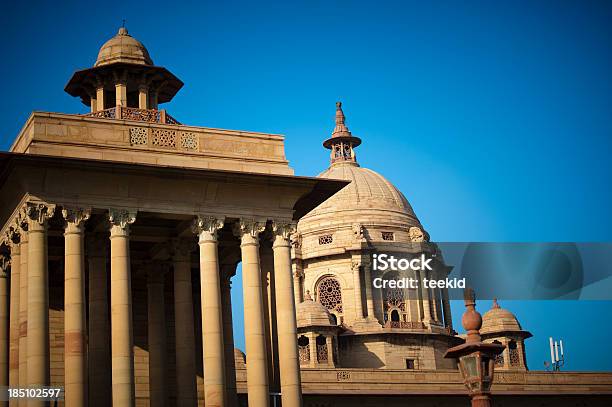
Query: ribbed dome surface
367	190
310	313
123	48
498	319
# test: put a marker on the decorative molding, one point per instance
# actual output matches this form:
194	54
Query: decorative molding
249	227
283	229
416	234
76	216
206	226
121	218
38	212
359	232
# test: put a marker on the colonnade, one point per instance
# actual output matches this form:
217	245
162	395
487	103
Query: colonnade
25	352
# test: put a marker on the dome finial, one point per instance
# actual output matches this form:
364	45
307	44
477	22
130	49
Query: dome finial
122	29
495	304
342	141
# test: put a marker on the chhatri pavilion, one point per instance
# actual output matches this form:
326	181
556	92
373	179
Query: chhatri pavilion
122	228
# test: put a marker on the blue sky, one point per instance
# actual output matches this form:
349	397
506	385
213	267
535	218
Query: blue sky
493	118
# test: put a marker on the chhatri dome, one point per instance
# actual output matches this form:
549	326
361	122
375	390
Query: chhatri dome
499	319
123	48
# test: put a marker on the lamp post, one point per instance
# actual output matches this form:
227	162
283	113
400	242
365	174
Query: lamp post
476	358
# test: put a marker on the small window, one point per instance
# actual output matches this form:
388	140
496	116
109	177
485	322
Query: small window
410	364
387	236
325	239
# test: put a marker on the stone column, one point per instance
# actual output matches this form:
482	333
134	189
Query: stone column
100	97
121	94
122	335
312	341
13	237
425	300
186	391
5	265
289	363
368	289
355	266
212	323
330	351
266	263
23	305
255	338
99	351
93	104
156	336
227	271
297	283
75	362
38	297
143	96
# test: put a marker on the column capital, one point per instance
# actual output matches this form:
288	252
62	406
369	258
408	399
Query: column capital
75	218
5	265
206	227
248	230
38	213
120	219
11	237
283	230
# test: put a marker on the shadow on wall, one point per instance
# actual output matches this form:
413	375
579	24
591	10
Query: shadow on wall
355	352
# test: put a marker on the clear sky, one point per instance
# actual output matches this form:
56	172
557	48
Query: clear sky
493	118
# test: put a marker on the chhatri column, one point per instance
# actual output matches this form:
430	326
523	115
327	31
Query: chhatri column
368	289
156	335
122	336
212	323
289	364
257	371
5	265
143	96
38	297
425	300
227	272
23	303
186	390
13	239
75	362
99	349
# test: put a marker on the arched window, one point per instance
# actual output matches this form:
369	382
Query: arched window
304	349
329	294
395	317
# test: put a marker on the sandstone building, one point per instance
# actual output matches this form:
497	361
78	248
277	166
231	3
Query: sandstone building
122	228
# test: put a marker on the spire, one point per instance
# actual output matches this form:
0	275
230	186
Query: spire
342	143
340	130
495	304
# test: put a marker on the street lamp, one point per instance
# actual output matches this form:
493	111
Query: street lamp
476	358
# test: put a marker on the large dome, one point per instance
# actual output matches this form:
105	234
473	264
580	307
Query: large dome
123	48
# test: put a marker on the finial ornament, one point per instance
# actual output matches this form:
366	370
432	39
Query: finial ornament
342	142
495	303
471	320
